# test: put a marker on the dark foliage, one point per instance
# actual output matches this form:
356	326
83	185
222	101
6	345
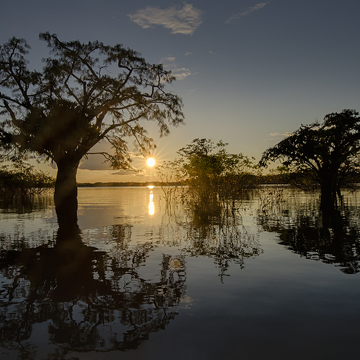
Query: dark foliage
22	179
325	154
73	103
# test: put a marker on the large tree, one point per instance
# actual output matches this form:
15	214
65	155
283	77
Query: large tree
327	152
74	102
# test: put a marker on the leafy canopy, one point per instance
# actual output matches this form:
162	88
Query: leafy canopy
204	158
210	170
73	103
326	152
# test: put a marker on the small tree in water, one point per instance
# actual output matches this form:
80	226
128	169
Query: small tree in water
211	170
327	153
212	174
71	105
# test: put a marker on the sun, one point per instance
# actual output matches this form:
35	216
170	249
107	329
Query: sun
150	162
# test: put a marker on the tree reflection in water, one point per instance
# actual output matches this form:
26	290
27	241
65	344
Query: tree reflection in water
331	235
88	299
87	291
93	299
211	228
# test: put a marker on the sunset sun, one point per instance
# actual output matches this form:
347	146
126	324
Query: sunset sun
150	162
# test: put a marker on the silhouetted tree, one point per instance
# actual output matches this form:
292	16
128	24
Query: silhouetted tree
327	152
211	171
61	112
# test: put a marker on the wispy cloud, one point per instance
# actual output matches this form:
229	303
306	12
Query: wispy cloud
167	59
286	134
180	20
180	73
125	172
244	13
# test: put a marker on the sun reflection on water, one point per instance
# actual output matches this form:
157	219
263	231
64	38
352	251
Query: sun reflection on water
151	202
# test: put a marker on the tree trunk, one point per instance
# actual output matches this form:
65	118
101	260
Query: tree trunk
66	193
328	192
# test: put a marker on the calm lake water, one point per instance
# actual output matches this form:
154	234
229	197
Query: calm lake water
150	279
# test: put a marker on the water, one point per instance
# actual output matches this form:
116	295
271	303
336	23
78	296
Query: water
276	279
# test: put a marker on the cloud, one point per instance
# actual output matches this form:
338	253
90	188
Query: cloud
182	73
244	13
94	163
179	73
279	134
169	58
188	53
125	172
179	20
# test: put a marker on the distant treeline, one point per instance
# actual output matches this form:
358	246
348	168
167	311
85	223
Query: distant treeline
128	183
274	178
23	178
301	179
263	179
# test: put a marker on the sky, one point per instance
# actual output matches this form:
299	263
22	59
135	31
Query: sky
248	72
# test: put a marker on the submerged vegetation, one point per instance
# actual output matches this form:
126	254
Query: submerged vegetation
324	154
215	180
21	179
316	156
207	168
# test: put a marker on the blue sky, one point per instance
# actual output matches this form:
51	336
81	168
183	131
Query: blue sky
248	71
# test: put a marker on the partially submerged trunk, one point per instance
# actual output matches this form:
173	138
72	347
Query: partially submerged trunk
66	193
329	190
